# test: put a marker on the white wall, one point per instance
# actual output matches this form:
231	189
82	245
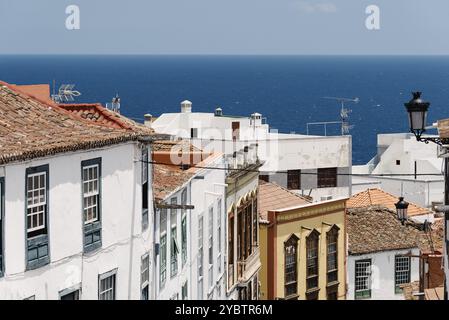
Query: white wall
203	194
420	192
278	151
382	278
123	243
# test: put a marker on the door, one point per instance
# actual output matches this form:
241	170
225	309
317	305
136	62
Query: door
235	130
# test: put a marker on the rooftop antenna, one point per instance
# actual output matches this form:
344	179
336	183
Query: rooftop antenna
66	93
344	113
115	104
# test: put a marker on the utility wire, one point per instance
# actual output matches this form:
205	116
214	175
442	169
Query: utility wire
188	166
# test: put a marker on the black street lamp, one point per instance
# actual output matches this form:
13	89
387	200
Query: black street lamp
417	111
401	209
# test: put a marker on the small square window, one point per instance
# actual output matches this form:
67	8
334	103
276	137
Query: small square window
398	162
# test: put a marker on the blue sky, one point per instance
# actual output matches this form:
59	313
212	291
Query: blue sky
225	27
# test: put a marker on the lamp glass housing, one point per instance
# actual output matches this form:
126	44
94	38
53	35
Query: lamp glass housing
417	111
402	209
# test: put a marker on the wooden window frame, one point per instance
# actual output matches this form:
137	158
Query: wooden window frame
332	235
291	243
312	243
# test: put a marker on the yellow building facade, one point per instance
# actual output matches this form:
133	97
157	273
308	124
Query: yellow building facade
303	252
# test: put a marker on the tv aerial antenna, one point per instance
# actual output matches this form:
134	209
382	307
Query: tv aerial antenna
66	93
344	112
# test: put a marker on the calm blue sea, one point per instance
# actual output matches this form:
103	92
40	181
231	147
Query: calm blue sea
288	90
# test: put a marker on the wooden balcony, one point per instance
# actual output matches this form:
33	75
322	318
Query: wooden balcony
248	267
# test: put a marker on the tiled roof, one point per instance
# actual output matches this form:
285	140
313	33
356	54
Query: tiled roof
274	197
100	115
181	145
93	112
433	240
30	128
376	196
167	179
374	229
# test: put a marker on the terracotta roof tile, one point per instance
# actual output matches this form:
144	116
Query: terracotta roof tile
167	145
100	115
374	229
274	197
31	128
376	196
167	179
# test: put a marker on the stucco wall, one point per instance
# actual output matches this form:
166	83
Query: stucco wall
382	279
123	243
203	193
314	218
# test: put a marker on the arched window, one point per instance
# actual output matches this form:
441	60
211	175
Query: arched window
332	254
312	242
291	267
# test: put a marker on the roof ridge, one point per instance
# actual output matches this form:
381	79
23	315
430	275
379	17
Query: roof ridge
369	193
289	191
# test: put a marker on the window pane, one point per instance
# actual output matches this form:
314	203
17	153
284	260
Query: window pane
327	177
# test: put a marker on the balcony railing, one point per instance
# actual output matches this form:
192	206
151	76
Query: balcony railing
230	275
248	267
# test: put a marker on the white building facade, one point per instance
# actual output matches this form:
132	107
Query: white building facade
400	153
376	276
316	166
76	207
190	259
74	226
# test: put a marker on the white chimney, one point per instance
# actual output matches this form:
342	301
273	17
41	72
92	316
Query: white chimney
256	119
218	112
186	106
148	120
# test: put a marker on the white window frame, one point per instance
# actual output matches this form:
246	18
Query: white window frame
94	194
145	272
219	234
36	205
185	291
400	271
163	259
364	274
104	276
184	239
200	257
70	290
174	251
